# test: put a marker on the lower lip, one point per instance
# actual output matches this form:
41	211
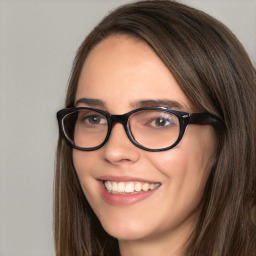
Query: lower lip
124	199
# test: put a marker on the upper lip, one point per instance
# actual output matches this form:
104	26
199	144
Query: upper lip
125	179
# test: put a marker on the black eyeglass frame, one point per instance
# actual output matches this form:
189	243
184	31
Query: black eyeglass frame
185	118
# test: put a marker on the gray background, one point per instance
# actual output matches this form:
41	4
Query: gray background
38	40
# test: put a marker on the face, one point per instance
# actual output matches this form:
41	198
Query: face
123	73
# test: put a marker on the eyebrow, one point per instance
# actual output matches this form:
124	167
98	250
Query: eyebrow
91	102
136	104
157	103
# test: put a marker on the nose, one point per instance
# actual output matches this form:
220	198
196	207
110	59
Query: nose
119	149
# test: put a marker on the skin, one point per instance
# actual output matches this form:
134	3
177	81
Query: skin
121	71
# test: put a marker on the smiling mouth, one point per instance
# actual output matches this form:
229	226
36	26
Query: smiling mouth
129	187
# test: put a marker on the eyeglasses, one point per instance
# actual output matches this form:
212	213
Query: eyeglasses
151	128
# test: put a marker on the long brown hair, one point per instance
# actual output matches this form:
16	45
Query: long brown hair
216	74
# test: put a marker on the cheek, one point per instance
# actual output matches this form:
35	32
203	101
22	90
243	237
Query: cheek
83	163
185	174
187	166
79	163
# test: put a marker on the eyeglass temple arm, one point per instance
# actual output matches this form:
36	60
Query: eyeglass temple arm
206	119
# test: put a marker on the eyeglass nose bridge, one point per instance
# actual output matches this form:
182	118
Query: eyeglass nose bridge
118	119
122	119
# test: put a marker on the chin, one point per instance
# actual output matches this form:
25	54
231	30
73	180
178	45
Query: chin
126	230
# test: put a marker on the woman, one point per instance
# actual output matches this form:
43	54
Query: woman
157	148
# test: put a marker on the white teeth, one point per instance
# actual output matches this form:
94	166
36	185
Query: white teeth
120	187
108	185
129	187
137	186
145	187
151	186
114	186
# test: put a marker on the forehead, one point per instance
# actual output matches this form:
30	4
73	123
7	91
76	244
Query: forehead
123	69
